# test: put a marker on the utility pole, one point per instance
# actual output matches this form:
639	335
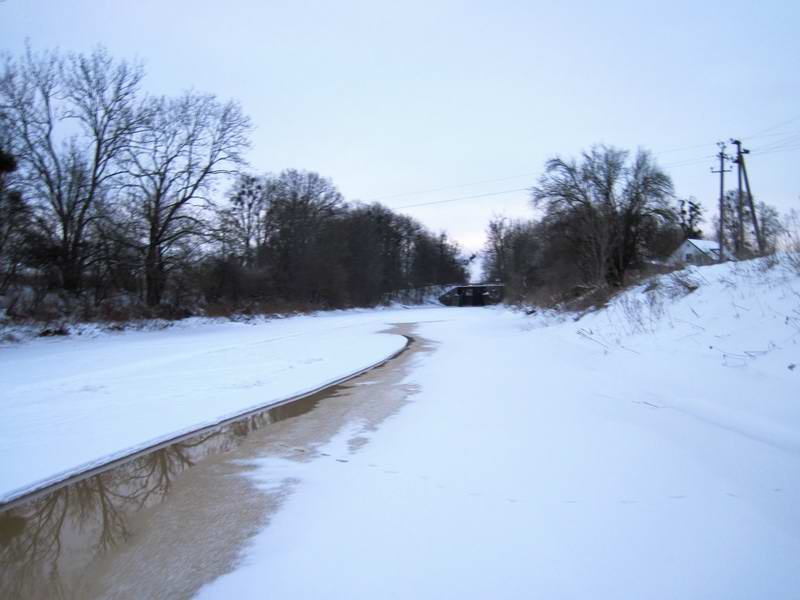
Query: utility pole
756	228
738	161
722	170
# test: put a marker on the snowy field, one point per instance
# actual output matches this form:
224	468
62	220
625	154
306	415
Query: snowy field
650	450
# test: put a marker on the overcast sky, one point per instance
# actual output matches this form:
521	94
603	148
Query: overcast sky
392	98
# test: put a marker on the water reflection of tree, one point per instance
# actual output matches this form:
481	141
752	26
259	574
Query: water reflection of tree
91	516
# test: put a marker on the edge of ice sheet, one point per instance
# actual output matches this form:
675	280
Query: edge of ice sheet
9	496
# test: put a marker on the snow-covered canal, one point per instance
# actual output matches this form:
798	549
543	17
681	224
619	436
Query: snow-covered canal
503	456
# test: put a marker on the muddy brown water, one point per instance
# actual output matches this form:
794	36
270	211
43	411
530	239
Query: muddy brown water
163	523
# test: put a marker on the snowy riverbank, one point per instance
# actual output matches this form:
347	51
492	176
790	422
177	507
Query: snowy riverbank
71	403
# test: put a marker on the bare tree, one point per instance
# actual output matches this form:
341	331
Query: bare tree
302	204
243	223
497	249
772	227
583	197
107	191
70	119
512	255
643	208
185	146
690	215
605	208
15	218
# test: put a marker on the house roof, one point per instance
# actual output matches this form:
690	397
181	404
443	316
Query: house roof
705	246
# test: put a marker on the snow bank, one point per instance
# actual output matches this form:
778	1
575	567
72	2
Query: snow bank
728	336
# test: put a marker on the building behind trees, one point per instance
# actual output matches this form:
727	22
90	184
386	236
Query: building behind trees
607	218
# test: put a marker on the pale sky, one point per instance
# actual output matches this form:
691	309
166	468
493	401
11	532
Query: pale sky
392	98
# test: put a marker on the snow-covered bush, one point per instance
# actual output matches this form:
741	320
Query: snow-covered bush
791	240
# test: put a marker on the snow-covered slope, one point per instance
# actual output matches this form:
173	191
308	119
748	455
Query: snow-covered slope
724	341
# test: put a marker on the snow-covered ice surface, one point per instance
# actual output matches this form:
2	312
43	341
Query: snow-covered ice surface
68	404
649	450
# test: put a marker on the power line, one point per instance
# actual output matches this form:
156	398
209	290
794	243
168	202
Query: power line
788	140
460	198
788	148
689	161
707	144
680	149
700	159
781	124
785	144
774	134
449	187
497	179
507	178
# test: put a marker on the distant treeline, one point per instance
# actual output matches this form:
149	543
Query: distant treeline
110	204
607	218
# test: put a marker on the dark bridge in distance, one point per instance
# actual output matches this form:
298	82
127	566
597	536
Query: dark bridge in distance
477	294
